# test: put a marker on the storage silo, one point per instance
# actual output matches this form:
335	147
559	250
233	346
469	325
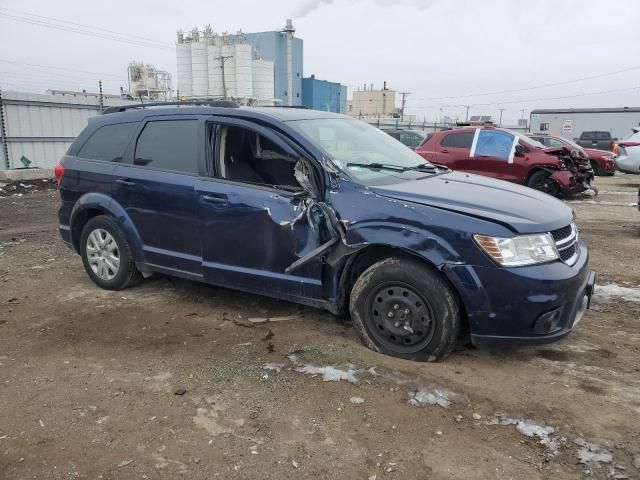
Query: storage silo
244	73
199	70
263	79
183	64
214	65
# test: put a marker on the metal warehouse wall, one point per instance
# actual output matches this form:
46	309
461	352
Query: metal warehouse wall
617	123
41	127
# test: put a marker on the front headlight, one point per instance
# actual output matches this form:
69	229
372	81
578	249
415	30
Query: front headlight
519	251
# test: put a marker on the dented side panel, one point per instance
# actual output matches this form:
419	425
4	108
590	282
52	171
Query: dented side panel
250	235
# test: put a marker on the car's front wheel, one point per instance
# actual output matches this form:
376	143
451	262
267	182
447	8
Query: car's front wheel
106	254
403	308
543	182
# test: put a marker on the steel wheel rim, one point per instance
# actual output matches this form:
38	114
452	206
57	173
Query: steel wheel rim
399	317
103	254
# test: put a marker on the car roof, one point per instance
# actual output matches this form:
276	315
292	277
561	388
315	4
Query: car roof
283	114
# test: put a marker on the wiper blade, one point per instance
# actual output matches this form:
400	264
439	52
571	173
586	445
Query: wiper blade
424	167
379	166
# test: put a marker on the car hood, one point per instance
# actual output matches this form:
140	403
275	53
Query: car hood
519	208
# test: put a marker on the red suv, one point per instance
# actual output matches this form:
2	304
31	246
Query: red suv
506	155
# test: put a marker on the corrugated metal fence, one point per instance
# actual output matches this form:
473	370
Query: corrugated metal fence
40	128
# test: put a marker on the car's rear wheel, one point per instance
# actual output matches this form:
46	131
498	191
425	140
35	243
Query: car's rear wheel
106	254
596	167
403	308
543	182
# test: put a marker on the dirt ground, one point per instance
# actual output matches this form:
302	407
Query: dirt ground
165	380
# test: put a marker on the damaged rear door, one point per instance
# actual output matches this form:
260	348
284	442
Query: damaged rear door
253	213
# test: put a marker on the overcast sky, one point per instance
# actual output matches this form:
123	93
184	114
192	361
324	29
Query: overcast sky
431	48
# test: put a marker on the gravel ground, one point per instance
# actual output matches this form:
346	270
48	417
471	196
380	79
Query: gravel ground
166	380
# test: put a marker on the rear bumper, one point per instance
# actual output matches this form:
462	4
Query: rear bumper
525	305
627	164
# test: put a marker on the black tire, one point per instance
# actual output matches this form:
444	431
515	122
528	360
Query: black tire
540	181
127	273
416	295
596	168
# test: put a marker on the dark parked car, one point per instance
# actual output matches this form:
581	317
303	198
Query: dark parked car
322	209
600	140
602	162
507	155
411	138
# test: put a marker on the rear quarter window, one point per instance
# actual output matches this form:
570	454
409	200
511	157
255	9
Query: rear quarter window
108	142
458	140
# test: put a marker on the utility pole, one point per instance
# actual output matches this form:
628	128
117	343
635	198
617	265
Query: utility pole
223	58
3	134
100	96
501	110
404	101
467	117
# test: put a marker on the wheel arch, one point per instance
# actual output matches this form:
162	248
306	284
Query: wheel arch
94	204
361	260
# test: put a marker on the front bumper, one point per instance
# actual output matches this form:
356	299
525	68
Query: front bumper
526	305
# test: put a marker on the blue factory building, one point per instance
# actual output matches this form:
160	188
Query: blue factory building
274	46
324	95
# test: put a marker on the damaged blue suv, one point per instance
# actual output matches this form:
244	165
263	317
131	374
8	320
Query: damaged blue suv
327	211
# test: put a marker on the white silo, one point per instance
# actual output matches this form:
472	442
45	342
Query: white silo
183	64
214	64
199	70
263	78
243	55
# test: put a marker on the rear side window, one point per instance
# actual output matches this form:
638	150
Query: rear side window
108	143
458	140
169	145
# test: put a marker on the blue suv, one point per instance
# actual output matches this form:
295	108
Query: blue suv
324	210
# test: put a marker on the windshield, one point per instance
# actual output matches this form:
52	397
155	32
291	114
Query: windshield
353	145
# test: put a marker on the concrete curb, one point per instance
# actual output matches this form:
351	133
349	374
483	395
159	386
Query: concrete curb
22	174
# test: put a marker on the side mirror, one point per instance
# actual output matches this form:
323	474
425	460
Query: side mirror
520	150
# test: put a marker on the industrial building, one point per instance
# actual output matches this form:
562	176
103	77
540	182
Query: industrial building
323	95
264	67
148	82
571	122
373	103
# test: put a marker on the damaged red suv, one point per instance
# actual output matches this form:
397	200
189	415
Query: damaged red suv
506	155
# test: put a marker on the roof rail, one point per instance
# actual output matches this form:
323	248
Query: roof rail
208	103
302	107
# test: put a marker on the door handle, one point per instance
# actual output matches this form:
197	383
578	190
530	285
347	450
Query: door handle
126	183
444	150
218	199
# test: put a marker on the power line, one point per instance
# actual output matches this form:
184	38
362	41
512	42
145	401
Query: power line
101	74
22	12
86	32
602	92
524	89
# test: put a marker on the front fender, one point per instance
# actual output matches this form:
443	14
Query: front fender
107	205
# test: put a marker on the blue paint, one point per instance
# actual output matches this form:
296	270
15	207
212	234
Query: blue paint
323	95
250	236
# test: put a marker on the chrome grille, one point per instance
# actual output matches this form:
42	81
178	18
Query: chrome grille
566	239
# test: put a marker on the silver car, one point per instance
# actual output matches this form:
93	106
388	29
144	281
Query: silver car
628	159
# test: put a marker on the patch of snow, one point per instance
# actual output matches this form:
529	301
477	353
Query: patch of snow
273	366
603	202
531	429
430	396
357	400
613	291
592	453
330	373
